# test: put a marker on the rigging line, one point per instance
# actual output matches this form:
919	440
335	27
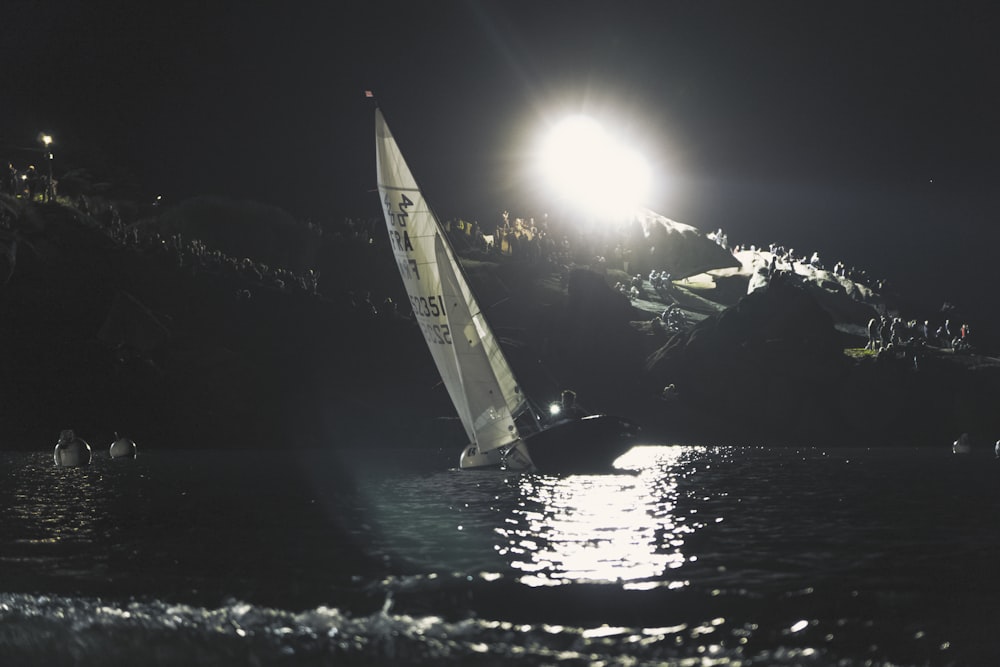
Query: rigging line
495	304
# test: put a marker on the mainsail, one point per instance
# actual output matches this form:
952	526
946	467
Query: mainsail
478	378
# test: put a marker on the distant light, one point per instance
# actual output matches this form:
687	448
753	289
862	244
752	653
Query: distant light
592	169
45	138
554	409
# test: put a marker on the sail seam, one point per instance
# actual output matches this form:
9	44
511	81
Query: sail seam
396	188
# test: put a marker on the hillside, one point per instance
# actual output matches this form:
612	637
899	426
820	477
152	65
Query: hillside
269	337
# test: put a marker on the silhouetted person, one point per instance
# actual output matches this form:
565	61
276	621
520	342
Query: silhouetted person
9	184
367	306
885	331
568	409
33	182
874	324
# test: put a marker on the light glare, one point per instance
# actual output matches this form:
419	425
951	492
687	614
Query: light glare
593	170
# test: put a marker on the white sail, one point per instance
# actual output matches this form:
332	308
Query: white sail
476	374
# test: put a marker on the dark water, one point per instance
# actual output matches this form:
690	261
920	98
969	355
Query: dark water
697	556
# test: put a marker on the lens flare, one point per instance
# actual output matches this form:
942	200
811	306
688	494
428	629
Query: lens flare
593	170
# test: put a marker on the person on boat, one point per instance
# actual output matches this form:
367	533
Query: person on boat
568	408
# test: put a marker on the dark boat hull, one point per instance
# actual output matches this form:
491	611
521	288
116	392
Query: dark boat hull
587	445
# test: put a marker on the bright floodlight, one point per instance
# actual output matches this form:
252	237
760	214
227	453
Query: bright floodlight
591	169
46	139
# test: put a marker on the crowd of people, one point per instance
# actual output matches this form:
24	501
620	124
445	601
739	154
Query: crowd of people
661	282
196	258
562	244
786	258
887	333
28	183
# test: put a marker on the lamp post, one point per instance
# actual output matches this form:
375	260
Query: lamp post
46	140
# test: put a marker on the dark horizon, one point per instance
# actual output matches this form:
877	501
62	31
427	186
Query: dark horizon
863	131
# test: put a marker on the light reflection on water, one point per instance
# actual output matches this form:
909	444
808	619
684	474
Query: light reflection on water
863	554
58	516
66	508
602	528
629	528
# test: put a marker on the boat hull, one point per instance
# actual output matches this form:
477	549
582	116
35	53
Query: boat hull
473	458
587	445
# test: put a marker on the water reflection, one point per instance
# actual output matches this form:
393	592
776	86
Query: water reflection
54	514
602	528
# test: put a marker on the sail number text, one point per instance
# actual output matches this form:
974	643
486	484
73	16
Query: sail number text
428	306
423	306
399	238
398	218
439	334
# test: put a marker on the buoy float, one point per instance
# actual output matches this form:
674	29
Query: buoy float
70	450
962	445
123	448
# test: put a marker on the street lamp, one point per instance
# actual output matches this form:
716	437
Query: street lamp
46	140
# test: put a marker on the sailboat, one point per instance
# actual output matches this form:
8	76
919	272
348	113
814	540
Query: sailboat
504	428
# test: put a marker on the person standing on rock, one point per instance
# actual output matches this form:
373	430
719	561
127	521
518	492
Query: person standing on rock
9	183
885	332
33	182
873	334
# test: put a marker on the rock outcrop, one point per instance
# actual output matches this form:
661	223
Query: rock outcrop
772	370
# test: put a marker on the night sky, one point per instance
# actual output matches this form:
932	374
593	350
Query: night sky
865	130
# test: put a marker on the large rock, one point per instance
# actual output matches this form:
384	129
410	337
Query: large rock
680	249
765	366
771	370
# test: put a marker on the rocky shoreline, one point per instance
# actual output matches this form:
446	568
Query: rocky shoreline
104	336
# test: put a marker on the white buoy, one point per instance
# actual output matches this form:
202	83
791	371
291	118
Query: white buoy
71	450
962	445
123	448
